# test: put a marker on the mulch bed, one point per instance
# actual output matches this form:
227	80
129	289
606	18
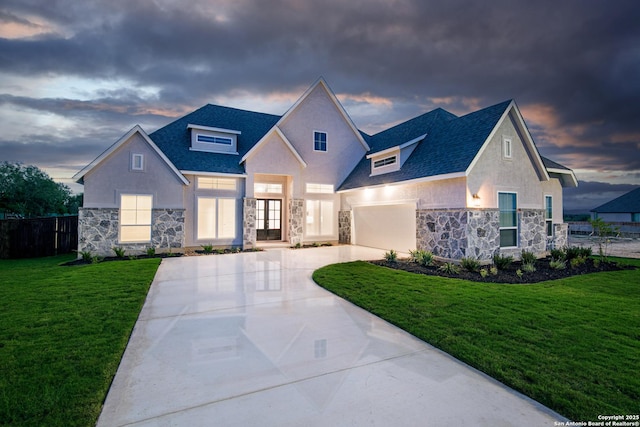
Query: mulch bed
543	270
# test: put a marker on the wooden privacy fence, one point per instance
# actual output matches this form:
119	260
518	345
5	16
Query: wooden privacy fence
30	238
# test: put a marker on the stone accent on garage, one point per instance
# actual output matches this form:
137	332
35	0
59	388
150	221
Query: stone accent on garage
296	221
458	233
98	231
344	227
560	237
249	231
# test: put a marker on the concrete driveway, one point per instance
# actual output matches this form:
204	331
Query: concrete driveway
249	339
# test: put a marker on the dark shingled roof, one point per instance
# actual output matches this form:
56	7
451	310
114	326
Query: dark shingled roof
550	164
174	139
450	146
629	202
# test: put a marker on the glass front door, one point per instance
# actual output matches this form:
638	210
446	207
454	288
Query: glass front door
269	219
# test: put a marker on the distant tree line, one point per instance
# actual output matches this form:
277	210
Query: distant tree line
28	192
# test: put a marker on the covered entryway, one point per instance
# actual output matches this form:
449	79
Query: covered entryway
269	219
385	226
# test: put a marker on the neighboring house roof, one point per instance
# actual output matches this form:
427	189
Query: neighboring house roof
175	139
79	177
450	146
627	203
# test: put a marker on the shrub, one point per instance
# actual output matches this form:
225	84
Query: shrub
470	264
572	252
528	267
528	257
519	273
391	256
558	264
208	249
424	258
449	268
483	272
493	270
119	252
151	251
502	261
86	256
558	254
577	261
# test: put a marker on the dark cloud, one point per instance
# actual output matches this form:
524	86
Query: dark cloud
578	59
589	195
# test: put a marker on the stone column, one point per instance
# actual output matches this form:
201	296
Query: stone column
249	233
560	236
533	231
344	227
167	231
483	232
296	221
98	230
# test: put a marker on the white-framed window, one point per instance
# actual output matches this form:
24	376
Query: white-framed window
508	207
215	183
212	139
391	160
216	218
135	218
319	188
319	141
267	187
320	217
548	214
507	148
137	162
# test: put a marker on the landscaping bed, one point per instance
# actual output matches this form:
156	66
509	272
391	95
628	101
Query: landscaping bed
543	270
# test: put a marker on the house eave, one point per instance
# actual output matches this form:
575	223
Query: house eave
408	181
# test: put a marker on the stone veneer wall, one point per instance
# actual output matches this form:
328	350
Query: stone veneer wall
296	221
458	233
98	231
249	232
560	237
344	227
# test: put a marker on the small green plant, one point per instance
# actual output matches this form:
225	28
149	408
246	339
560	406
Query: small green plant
528	257
220	251
493	270
449	268
297	245
484	273
132	257
208	248
151	251
558	264
391	256
86	256
316	244
528	267
327	244
470	264
502	261
577	261
119	252
424	258
519	273
596	263
558	254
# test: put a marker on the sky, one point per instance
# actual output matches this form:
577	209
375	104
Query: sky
77	75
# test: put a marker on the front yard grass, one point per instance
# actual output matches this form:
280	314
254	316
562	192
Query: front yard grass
63	331
572	344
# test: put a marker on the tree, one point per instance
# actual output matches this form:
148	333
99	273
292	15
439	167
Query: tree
29	192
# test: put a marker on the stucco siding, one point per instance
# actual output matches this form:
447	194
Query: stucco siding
443	194
114	176
553	188
493	173
275	158
317	112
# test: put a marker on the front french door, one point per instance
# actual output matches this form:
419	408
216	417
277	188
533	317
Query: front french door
269	219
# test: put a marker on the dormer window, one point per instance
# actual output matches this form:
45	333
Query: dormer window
214	140
385	162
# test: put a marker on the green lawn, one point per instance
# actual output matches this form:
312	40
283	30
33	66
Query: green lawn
571	344
62	334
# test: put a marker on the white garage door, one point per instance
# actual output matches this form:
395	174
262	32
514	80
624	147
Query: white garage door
386	226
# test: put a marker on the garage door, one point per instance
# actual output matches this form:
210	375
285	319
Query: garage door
386	227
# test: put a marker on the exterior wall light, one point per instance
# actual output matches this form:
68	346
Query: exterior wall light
476	200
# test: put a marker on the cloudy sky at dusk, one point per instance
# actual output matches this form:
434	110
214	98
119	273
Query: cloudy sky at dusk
76	75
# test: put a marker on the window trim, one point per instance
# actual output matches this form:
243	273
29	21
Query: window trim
121	225
385	161
215	139
507	147
133	164
511	227
326	141
548	218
